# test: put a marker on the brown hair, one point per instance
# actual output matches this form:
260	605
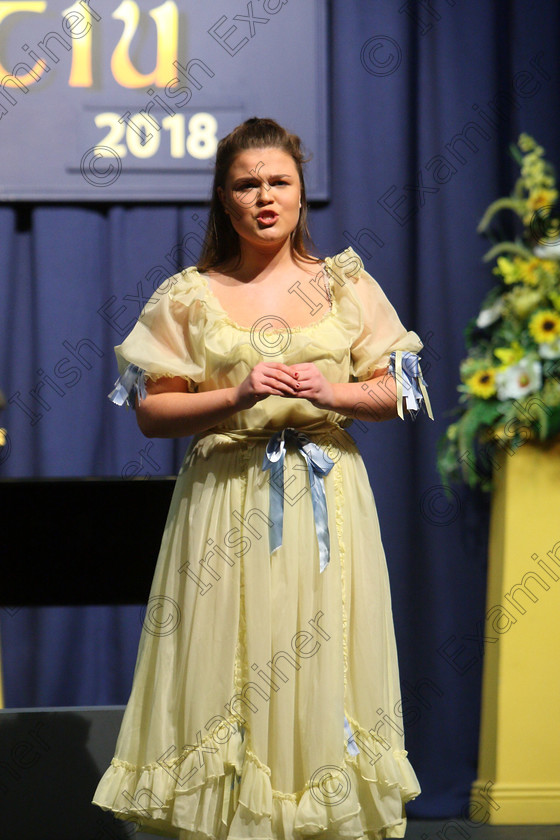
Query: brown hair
221	242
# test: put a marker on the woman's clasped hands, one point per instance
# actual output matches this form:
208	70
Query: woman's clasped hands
304	381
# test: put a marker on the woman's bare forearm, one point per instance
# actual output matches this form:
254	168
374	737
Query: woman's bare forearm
174	414
375	399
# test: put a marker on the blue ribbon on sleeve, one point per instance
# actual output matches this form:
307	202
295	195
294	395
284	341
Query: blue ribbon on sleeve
405	367
132	381
318	465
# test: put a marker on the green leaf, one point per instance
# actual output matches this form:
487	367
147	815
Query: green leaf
483	414
516	153
508	248
554	421
536	415
517	205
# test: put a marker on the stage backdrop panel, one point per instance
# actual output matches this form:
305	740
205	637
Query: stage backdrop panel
113	102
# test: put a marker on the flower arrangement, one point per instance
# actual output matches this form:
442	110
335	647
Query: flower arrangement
510	379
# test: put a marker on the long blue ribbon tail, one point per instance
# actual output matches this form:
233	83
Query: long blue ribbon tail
318	465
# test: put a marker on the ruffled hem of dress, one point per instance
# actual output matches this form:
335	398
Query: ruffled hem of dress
224	792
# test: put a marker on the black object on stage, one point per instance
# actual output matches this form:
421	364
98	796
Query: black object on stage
72	541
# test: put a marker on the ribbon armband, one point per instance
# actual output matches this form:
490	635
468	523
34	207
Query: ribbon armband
405	367
318	465
132	382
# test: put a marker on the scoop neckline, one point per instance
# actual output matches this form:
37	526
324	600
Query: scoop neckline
299	328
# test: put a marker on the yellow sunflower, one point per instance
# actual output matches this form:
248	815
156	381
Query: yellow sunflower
482	383
528	271
544	326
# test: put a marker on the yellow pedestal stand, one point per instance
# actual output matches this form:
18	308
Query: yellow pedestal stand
519	754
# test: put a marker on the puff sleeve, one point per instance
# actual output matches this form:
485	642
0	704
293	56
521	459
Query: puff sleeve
167	339
379	339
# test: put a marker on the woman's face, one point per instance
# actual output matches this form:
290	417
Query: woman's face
262	196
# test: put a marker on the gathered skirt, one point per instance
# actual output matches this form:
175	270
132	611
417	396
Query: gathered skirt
265	702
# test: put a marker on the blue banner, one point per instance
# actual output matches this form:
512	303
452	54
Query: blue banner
126	102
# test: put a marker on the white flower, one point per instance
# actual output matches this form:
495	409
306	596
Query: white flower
550	349
550	251
488	316
518	380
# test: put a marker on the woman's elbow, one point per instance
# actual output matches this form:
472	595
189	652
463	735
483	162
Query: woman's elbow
145	420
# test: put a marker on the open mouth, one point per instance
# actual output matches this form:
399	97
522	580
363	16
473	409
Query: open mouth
267	217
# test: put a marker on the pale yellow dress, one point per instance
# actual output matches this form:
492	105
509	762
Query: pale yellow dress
265	701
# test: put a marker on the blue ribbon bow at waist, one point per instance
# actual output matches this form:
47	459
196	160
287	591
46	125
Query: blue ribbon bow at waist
318	465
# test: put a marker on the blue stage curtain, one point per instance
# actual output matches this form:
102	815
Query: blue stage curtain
406	85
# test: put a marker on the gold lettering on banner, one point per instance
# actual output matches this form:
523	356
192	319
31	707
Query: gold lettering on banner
15	78
81	74
166	18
